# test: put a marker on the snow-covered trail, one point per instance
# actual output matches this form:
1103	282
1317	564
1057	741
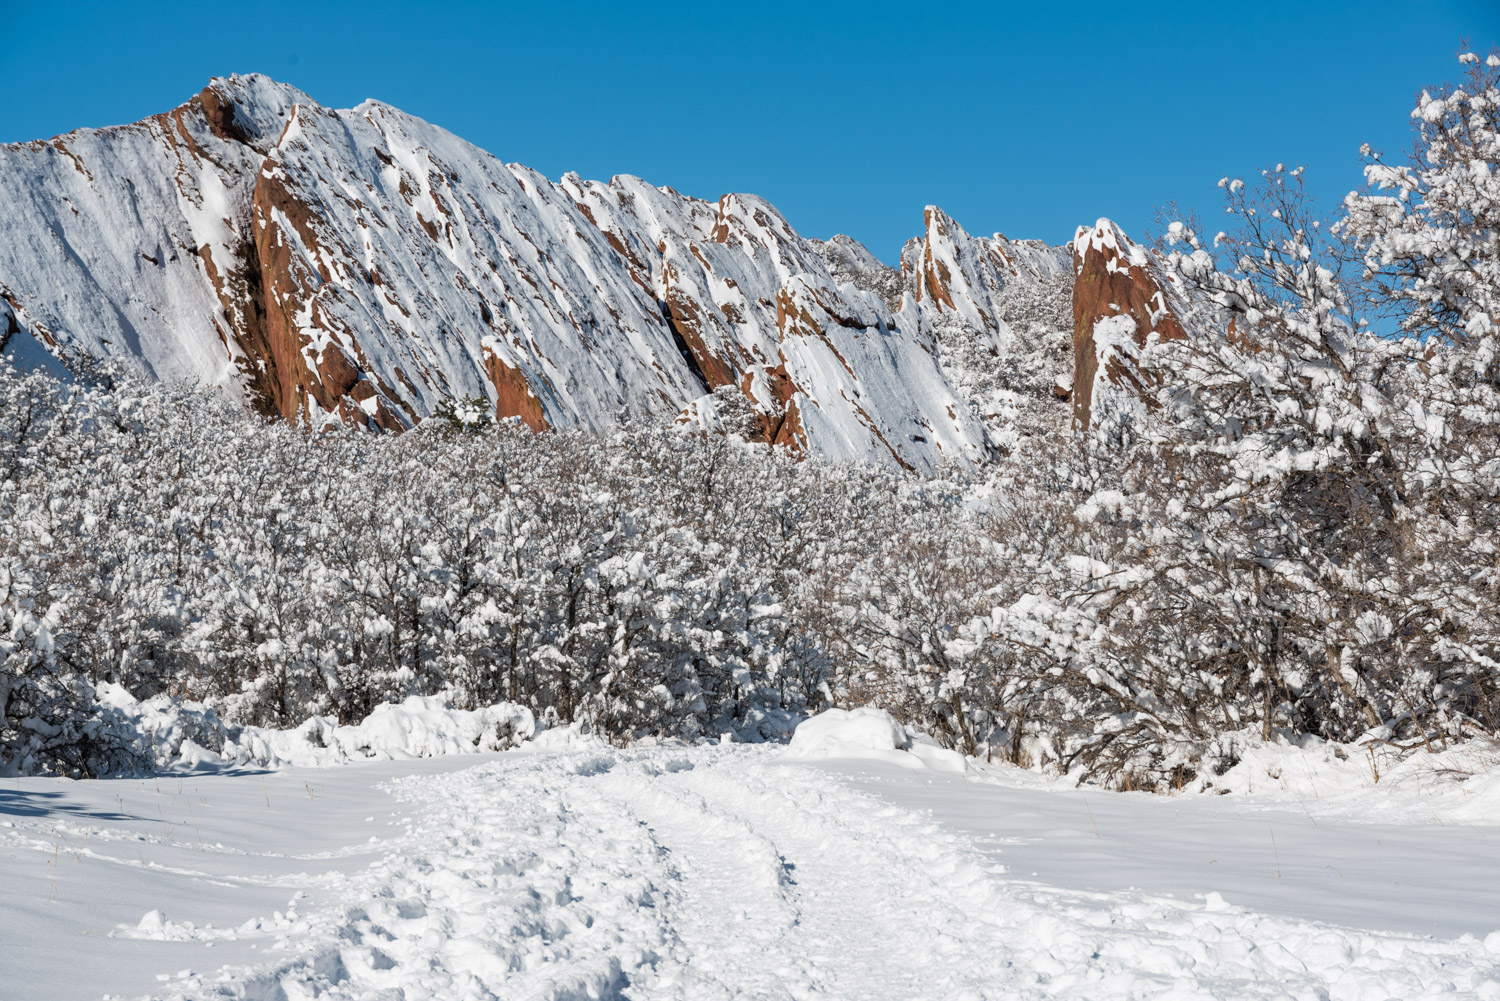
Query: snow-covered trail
730	872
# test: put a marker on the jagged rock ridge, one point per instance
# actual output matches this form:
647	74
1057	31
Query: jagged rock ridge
363	265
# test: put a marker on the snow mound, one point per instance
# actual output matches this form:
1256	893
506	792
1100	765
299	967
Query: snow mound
849	733
156	927
869	733
565	738
188	736
1374	781
419	727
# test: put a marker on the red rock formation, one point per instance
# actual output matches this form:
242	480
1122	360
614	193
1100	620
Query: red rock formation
513	397
218	110
686	322
780	421
935	273
1114	278
282	223
302	380
337	372
949	271
787	430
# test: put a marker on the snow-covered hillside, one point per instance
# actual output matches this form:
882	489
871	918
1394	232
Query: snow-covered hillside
364	265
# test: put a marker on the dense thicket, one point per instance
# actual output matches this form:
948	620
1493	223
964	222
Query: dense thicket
1306	525
1297	536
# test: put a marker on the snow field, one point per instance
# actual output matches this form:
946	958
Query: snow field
720	872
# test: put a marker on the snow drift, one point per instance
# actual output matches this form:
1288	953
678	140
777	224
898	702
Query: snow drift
176	735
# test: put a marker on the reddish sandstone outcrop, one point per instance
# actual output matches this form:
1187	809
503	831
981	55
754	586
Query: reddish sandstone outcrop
513	397
1114	278
302	380
779	420
949	271
935	272
218	110
685	318
787	430
337	373
282	223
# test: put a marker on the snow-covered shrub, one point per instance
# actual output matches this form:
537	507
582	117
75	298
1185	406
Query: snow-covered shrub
473	414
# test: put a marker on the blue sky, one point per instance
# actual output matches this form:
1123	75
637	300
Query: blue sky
850	117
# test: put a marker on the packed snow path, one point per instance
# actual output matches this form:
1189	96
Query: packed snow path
711	873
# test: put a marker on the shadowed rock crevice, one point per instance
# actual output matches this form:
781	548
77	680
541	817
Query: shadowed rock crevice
689	357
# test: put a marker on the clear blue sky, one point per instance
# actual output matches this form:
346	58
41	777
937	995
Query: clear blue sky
1023	118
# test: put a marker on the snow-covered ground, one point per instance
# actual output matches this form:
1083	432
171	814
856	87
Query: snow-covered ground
736	872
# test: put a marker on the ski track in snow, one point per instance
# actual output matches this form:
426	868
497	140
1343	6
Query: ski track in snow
715	873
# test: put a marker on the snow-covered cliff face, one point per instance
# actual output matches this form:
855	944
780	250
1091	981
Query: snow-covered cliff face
363	265
130	241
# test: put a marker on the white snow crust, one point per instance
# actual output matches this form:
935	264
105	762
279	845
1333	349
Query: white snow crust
872	734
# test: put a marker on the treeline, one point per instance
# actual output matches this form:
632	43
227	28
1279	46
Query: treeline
644	583
649	583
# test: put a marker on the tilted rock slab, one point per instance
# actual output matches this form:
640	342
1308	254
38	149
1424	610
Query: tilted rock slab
1121	297
360	266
